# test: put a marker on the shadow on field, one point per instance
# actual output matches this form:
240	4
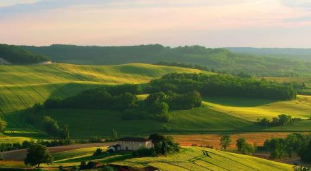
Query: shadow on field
17	127
239	102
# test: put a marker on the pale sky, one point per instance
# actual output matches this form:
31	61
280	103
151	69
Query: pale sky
211	23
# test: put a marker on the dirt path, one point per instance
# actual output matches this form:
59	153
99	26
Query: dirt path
20	155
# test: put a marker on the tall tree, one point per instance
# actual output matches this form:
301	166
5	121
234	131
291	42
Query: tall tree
38	154
225	141
3	125
65	132
114	134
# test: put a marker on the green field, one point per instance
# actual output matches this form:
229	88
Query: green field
189	159
251	109
192	159
199	120
100	123
23	86
61	157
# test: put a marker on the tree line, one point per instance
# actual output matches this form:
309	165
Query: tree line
196	55
295	143
222	85
18	55
281	120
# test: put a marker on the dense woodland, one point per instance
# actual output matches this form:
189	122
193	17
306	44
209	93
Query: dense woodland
17	55
222	85
221	60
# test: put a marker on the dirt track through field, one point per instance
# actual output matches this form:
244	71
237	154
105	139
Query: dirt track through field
20	155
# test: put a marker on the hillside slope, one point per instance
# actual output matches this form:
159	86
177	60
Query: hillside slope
17	55
192	159
23	86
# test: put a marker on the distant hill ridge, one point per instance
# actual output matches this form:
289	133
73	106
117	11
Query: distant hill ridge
219	59
3	61
11	54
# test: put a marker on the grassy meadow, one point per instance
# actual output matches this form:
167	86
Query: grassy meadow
198	120
251	109
97	122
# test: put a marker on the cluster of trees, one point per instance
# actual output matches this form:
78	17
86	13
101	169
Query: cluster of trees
51	127
163	145
244	147
281	120
195	55
123	99
109	98
18	55
241	144
222	85
287	147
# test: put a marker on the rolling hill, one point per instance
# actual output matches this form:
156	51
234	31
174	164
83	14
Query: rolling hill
217	59
192	159
23	86
188	159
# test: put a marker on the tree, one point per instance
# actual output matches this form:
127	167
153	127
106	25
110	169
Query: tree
225	141
305	153
239	143
160	108
65	132
3	125
114	134
156	138
247	148
50	125
38	154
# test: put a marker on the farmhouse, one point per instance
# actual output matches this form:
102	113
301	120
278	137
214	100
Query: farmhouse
134	143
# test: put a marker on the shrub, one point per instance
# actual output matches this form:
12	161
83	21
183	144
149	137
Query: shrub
98	152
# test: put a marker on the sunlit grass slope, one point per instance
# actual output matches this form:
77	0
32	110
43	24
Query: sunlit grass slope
192	159
82	152
251	109
23	86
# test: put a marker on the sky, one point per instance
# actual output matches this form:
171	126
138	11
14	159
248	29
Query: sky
211	23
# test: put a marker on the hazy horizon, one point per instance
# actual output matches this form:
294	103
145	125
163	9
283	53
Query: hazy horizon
224	23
